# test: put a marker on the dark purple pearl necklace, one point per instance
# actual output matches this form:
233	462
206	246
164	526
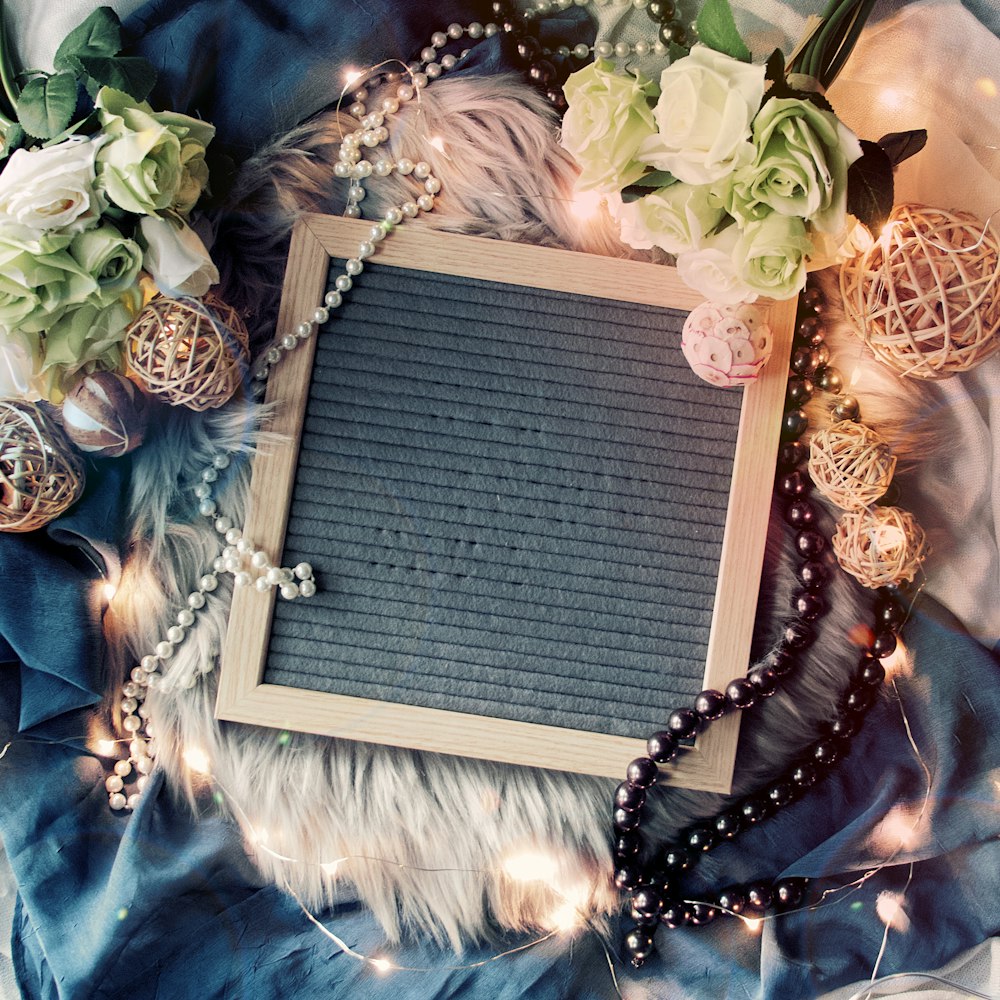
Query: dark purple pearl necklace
654	885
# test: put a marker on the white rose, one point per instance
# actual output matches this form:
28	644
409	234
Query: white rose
20	362
47	189
176	257
707	101
674	218
607	119
712	270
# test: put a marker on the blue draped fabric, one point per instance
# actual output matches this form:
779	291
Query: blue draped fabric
165	905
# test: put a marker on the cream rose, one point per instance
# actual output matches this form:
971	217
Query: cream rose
799	168
146	165
707	101
52	189
713	270
176	257
674	218
607	120
772	253
20	362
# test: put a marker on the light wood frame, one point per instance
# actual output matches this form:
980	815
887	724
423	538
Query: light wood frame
242	695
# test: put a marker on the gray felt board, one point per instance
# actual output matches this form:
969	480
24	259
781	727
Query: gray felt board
514	502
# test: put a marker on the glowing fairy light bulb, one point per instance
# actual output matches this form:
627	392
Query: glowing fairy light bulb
752	924
564	919
437	142
109	592
889	907
106	748
351	75
382	965
586	204
197	760
330	868
530	866
986	86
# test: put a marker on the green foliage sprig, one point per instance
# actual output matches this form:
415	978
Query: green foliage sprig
51	106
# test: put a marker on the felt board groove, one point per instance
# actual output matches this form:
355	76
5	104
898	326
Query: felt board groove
428	634
514	495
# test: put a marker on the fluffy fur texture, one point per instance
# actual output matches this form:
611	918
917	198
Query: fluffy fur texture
504	175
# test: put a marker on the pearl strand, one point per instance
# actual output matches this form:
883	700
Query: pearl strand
239	557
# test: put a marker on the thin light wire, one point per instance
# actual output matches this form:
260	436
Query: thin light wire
885	933
391	966
933	977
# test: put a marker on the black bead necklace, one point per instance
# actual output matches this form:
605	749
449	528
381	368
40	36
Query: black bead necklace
654	884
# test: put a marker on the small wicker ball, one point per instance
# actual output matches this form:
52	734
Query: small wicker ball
41	475
880	547
926	295
105	414
726	345
189	352
850	464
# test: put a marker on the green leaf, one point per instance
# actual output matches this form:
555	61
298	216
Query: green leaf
775	69
655	179
901	146
98	36
721	226
46	105
869	186
13	136
717	29
85	122
133	75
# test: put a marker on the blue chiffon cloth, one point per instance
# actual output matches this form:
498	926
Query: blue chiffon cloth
165	905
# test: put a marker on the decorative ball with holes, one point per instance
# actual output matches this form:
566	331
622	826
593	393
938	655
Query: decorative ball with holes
105	414
726	345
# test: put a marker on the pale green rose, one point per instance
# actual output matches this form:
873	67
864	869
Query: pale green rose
194	135
608	118
90	335
674	218
151	159
39	279
112	260
707	101
772	255
799	168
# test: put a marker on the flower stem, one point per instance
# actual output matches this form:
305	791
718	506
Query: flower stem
10	87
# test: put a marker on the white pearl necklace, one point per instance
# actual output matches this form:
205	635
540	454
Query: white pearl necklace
239	557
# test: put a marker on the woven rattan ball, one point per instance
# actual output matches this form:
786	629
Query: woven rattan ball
880	547
926	295
189	352
850	464
40	473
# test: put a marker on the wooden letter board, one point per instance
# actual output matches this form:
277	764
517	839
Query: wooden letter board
535	731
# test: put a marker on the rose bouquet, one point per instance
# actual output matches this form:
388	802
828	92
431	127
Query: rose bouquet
96	191
742	171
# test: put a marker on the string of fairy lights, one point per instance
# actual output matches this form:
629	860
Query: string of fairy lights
898	832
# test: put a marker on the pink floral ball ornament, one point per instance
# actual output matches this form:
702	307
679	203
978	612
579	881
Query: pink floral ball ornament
726	345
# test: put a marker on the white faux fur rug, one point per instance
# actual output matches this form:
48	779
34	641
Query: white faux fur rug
317	799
